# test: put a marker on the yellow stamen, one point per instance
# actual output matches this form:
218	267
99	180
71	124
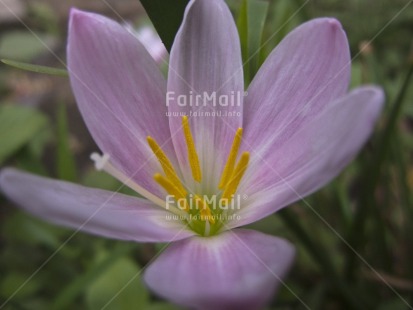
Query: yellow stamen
166	164
205	211
236	177
229	166
171	189
192	155
102	163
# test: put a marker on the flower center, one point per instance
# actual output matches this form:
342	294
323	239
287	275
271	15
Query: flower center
204	214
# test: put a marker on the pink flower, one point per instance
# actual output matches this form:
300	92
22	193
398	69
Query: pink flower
295	130
151	40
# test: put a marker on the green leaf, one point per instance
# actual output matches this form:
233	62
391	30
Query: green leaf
95	277
284	18
16	282
35	68
250	25
166	16
21	228
18	125
66	167
257	13
118	287
242	25
30	157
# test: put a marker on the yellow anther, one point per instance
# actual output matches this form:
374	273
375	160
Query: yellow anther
171	189
166	164
205	211
192	155
232	157
236	177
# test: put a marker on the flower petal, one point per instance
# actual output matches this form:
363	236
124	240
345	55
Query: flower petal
238	269
312	157
206	59
120	93
94	211
308	70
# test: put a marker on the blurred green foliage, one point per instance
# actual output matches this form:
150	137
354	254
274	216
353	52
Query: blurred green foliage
354	237
166	16
18	126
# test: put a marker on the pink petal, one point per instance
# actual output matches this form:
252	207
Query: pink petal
94	211
312	156
239	269
120	92
302	76
206	58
